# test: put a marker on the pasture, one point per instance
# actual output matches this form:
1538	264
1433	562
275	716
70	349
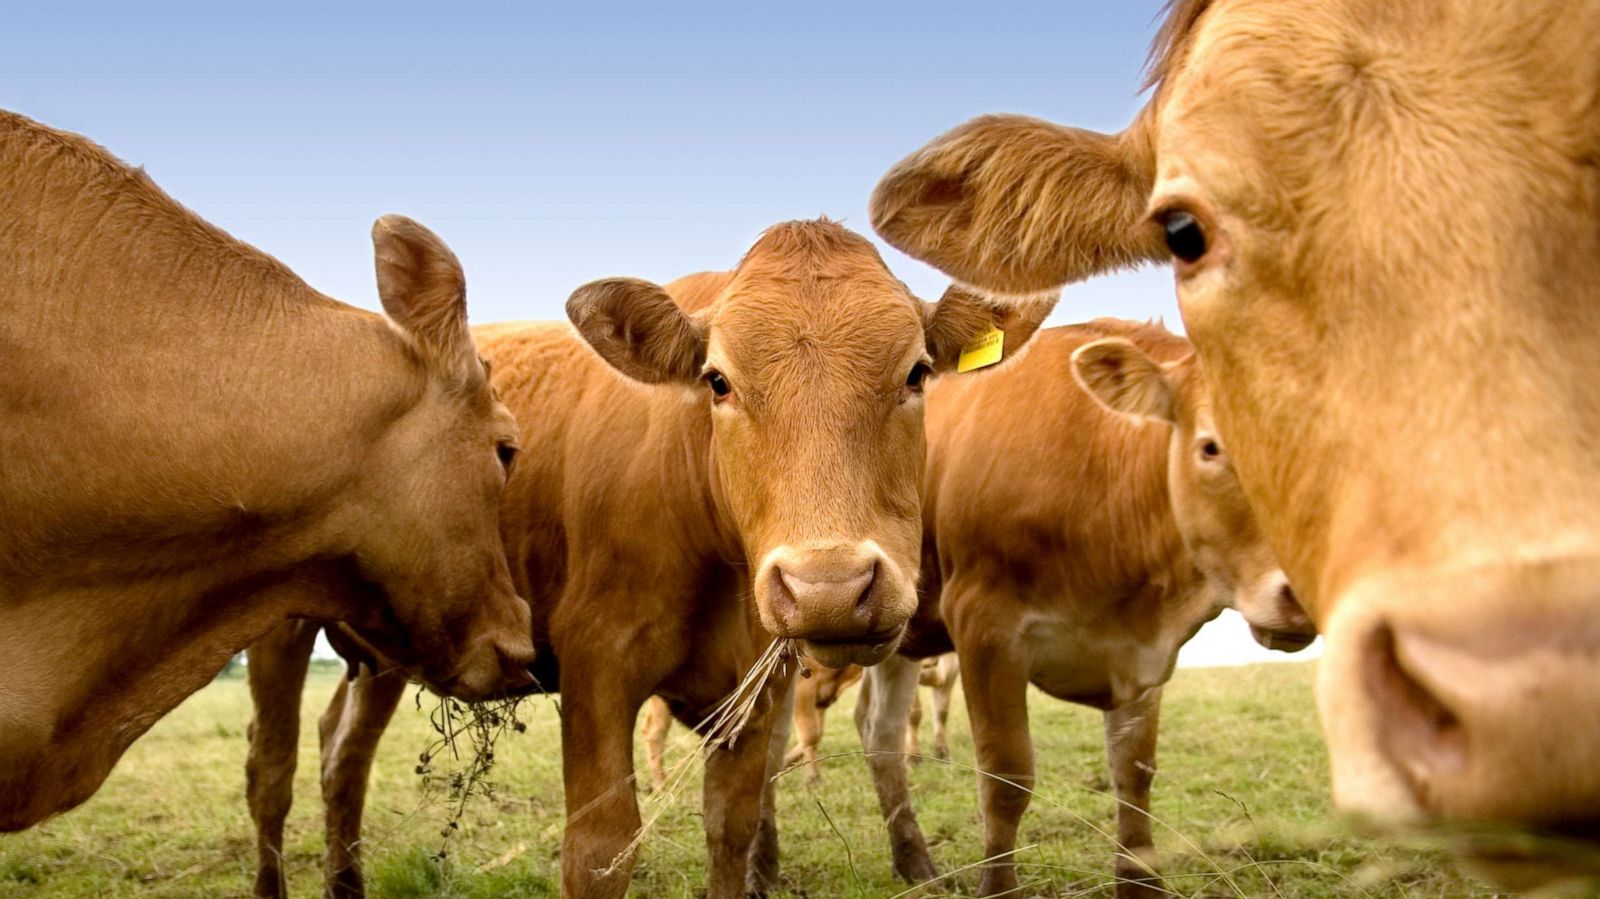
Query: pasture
1241	803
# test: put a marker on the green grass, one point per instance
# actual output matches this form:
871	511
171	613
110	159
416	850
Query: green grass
1241	802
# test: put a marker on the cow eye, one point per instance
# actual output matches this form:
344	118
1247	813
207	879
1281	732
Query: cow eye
1185	238
507	452
719	385
918	376
1210	451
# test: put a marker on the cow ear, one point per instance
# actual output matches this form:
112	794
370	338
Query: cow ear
964	323
1123	379
423	288
636	327
1018	205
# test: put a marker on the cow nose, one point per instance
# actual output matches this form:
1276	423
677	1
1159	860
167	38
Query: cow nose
1455	702
825	597
844	603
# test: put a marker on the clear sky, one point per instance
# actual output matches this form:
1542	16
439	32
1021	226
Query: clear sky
551	144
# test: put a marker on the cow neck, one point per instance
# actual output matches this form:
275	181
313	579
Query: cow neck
1162	560
68	725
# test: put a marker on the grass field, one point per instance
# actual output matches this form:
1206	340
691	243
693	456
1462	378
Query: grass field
1241	803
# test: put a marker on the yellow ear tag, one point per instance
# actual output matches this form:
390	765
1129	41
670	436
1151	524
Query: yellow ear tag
984	350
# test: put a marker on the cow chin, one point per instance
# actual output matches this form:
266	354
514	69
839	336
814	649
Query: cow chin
1276	618
486	671
1282	641
841	654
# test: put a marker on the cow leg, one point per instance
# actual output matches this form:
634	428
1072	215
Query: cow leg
1131	748
350	730
599	706
889	688
941	714
657	724
997	702
762	872
733	795
807	722
913	724
277	675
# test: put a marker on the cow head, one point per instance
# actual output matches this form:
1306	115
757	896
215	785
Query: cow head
423	524
811	365
1385	224
1214	517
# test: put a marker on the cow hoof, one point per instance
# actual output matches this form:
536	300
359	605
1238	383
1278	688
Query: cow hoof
998	881
269	884
913	865
761	874
1136	880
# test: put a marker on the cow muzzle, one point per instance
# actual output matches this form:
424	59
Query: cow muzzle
1276	619
846	604
1471	700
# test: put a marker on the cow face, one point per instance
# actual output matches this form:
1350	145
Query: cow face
1383	218
424	526
811	366
1213	516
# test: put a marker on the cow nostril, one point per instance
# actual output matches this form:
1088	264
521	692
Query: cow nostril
1424	737
782	595
864	598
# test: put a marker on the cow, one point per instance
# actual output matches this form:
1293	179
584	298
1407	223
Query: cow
938	674
1082	522
815	691
657	723
708	466
196	446
1382	219
815	694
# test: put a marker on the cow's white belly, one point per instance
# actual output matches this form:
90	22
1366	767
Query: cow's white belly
1091	665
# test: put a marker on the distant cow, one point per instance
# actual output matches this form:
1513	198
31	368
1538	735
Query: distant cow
196	446
757	473
1077	550
813	696
1384	221
815	691
939	675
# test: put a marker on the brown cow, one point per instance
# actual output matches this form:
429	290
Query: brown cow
1078	551
813	696
198	446
656	725
815	690
938	674
1386	227
757	473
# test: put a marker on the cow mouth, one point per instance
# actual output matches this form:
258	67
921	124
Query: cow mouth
1526	859
1282	641
865	649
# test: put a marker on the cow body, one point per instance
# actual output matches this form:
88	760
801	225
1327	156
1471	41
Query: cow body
1063	554
195	446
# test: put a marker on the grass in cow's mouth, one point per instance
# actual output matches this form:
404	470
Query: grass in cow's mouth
465	737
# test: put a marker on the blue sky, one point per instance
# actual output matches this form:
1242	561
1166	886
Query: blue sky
551	144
